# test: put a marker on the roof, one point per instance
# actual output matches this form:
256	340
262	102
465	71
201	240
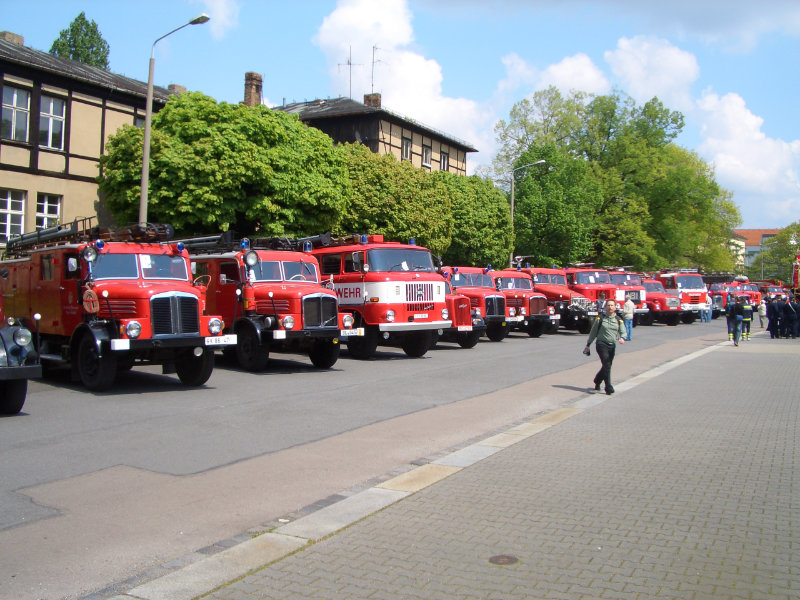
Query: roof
753	237
42	61
347	107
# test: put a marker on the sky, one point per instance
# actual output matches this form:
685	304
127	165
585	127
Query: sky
730	66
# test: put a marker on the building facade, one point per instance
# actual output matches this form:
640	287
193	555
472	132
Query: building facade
753	239
57	115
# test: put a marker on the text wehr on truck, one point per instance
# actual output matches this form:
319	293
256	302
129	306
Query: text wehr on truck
110	300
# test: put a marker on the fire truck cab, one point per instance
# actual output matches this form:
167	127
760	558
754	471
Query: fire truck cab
108	304
535	316
594	284
575	309
664	307
390	289
629	285
468	326
688	285
19	360
272	299
486	302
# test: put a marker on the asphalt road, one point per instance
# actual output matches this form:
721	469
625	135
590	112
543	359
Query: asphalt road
96	489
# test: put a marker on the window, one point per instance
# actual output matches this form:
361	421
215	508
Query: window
51	123
12	206
406	150
230	271
331	264
444	161
16	107
426	156
48	267
48	211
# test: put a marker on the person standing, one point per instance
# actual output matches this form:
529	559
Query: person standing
789	319
738	319
772	318
747	317
730	315
762	312
607	329
628	310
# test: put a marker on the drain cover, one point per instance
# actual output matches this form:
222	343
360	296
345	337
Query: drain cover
503	559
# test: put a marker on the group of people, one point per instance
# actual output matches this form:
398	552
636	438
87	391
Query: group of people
783	317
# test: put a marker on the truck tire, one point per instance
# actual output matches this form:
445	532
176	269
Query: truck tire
194	370
646	319
97	373
584	326
468	339
251	354
496	332
417	343
324	353
536	329
673	320
364	347
688	318
12	395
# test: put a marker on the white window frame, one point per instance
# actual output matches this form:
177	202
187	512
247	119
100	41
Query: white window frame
444	161
48	210
426	156
18	113
405	152
48	120
12	212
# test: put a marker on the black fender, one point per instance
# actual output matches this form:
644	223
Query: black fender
257	324
99	330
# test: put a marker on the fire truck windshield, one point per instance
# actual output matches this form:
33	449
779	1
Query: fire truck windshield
300	271
592	277
690	282
515	283
626	279
473	280
162	266
399	259
115	266
654	286
558	279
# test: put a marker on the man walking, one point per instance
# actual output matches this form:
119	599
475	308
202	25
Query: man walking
607	329
628	310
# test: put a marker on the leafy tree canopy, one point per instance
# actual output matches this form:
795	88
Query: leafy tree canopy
777	255
222	166
83	42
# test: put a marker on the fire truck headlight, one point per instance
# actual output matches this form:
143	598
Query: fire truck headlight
89	254
214	326
251	259
347	321
287	322
523	312
512	312
22	337
133	329
476	312
390	316
445	314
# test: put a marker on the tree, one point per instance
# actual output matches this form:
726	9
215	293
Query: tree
777	255
83	42
223	166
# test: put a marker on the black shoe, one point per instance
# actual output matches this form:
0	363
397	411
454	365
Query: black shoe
596	387
609	390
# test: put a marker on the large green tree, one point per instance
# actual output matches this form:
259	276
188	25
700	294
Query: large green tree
225	166
83	42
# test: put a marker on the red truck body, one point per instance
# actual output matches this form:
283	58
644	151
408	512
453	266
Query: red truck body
486	302
594	284
629	285
533	313
688	285
467	324
575	310
663	306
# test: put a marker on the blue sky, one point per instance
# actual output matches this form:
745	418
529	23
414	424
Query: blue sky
459	65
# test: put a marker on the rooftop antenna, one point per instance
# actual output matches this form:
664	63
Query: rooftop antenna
372	82
350	64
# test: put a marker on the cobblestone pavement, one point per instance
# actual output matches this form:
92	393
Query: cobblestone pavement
685	484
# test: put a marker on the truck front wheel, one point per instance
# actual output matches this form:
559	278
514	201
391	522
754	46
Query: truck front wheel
96	372
468	339
416	344
363	347
324	353
688	318
496	331
12	395
194	370
250	352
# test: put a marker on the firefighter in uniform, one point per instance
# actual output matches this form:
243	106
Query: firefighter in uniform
747	318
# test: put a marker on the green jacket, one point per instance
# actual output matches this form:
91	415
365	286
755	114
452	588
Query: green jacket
606	329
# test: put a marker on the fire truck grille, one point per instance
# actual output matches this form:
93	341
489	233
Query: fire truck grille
635	295
174	315
463	314
673	302
694	298
419	297
538	306
118	309
515	302
320	311
583	303
269	307
495	306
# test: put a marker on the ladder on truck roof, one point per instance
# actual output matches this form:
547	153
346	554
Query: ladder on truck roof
84	230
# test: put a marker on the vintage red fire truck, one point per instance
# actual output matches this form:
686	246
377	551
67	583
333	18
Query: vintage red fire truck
534	314
663	307
688	285
467	324
19	360
749	290
772	289
269	293
576	311
107	304
595	284
390	289
476	284
629	285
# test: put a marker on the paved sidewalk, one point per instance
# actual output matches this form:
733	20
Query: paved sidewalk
684	484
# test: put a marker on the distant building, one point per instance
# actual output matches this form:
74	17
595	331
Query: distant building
57	115
736	244
753	239
380	130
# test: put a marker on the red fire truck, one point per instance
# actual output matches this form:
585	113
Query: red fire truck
390	289
629	285
663	307
269	294
576	310
688	285
19	360
535	316
107	304
486	302
595	284
467	326
749	290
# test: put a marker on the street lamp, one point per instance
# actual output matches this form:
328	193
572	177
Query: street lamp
533	164
148	115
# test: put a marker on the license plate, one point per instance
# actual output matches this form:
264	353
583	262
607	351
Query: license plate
555	317
221	340
421	316
350	332
465	327
592	313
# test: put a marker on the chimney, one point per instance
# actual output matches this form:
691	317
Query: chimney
176	90
373	100
13	38
252	89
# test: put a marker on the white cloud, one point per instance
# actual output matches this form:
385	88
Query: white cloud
224	16
576	72
763	171
649	67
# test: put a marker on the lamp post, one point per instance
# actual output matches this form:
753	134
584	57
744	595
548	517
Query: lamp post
513	172
148	116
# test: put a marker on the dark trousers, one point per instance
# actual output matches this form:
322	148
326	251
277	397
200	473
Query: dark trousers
606	354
